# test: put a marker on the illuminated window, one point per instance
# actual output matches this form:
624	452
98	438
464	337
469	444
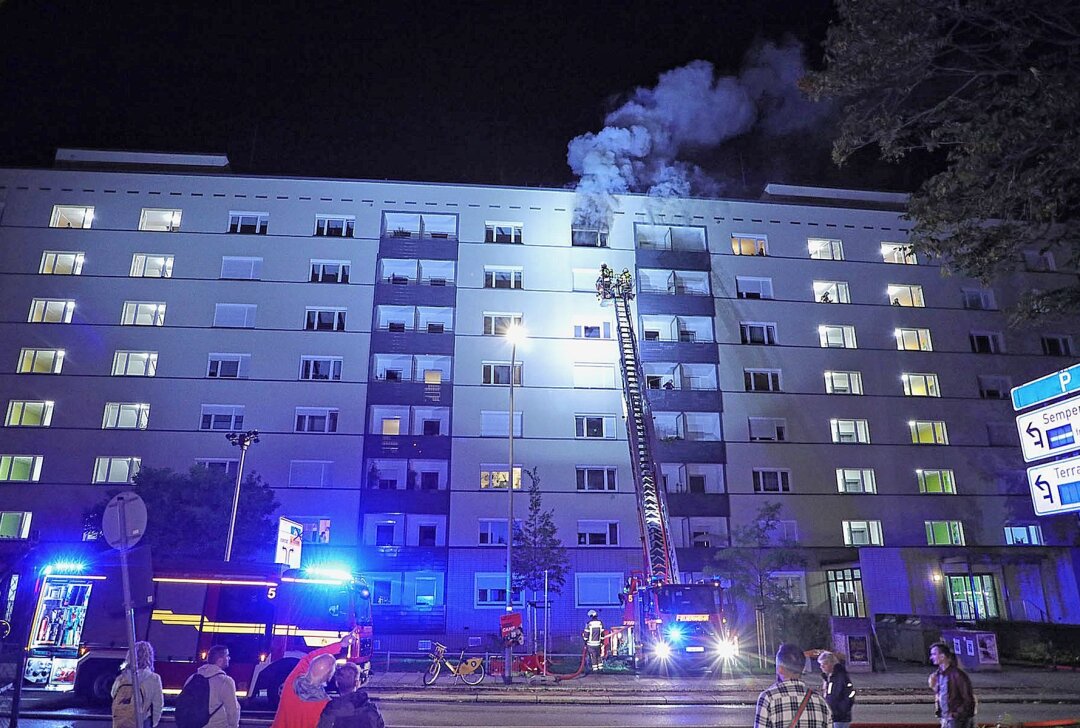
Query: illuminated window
240	268
850	431
928	432
920	385
316	419
973	597
898	253
837	337
936	481
822	249
862	533
330	271
28	413
125	416
156	220
144	265
71	216
50	311
596	478
249	223
831	292
503	232
235	315
134	364
503	277
334	226
856	480
497	324
228	366
905	295
749	245
597	533
116	470
1029	535
143	313
846	592
321	368
221	417
496	476
913	340
324	319
15	524
837	382
61	263
987	342
771	480
41	361
20	468
944	533
757	333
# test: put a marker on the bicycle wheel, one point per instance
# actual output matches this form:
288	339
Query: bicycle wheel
432	673
475	677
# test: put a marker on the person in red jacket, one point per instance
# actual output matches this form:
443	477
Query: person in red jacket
303	694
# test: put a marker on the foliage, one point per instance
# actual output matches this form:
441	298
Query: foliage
805	628
990	85
188	514
537	547
756	555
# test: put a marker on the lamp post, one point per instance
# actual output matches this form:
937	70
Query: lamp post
243	440
515	334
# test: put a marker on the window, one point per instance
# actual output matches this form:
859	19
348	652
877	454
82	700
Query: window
944	533
502	277
222	417
415	225
28	413
134	364
749	245
503	232
862	533
20	468
753	287
979	299
936	481
837	337
790	584
60	263
227	467
905	295
846	592
920	385
594	426
490	590
588	238
15	524
856	480
761	380
125	416
850	431
144	265
492	532
837	382
898	253
987	342
913	340
115	470
41	361
594	376
928	432
235	315
241	268
316	419
71	216
1057	346
494	423
142	313
494	477
249	223
316	529
592	330
831	292
325	319
768	429
1004	434
497	324
1034	260
992	386
334	226
822	249
1029	535
596	478
330	271
228	366
499	372
772	480
310	473
321	368
598	589
786	532
597	533
162	221
757	333
670	237
50	311
973	597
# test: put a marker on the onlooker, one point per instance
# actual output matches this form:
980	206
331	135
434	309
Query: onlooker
351	709
151	698
955	696
209	695
789	702
303	694
837	688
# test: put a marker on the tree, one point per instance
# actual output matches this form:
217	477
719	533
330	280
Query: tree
188	514
990	86
537	547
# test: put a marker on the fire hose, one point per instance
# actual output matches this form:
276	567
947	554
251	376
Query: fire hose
579	671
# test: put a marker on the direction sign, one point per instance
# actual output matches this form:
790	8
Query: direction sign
1053	430
1046	388
1055	487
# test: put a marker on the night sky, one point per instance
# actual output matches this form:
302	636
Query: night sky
434	91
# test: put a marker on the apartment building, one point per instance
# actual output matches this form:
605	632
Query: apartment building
795	352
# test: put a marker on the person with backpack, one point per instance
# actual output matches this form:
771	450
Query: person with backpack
837	688
208	699
351	709
303	694
151	698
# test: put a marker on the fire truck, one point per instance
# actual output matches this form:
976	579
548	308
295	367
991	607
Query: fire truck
268	616
667	625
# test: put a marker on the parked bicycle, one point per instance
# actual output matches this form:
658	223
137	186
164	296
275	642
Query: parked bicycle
471	670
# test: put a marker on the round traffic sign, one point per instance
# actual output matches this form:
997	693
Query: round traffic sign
124	521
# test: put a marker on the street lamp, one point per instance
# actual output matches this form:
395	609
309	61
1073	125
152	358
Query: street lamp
515	334
243	440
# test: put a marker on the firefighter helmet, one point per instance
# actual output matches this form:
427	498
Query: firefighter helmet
592	614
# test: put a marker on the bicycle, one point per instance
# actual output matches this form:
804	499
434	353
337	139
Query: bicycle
471	670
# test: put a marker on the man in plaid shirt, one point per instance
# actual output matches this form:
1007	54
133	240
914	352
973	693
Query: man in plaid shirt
778	705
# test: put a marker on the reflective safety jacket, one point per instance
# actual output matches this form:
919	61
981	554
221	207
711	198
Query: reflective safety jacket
593	632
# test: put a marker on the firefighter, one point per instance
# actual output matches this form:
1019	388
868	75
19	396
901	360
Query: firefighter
593	636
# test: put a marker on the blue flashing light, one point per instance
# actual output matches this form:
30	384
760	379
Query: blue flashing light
63	567
675	634
365	593
336	572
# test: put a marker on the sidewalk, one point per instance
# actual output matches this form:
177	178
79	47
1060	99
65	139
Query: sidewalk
902	683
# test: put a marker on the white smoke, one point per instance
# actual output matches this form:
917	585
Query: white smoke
643	145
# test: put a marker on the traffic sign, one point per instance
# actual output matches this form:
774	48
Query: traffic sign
1046	388
1055	487
1053	430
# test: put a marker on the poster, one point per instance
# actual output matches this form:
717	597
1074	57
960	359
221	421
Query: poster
858	649
290	540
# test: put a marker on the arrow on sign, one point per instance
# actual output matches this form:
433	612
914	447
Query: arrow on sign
1044	485
1036	433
